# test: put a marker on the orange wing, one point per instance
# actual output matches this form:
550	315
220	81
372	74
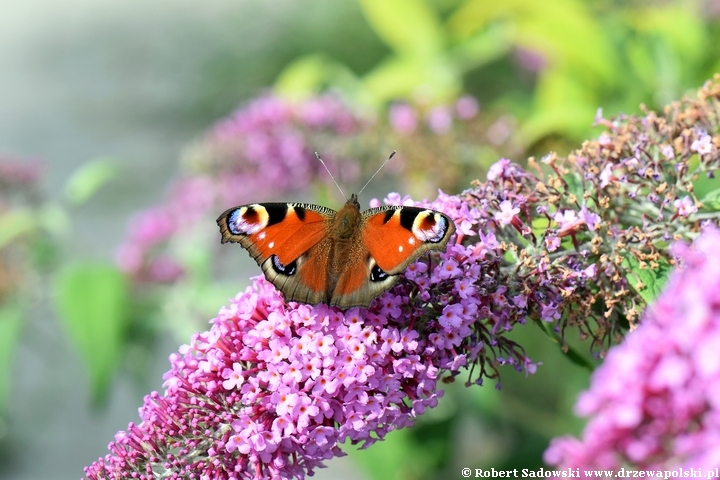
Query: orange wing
286	230
397	236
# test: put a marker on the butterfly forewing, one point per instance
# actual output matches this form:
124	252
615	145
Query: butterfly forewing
397	236
281	238
286	230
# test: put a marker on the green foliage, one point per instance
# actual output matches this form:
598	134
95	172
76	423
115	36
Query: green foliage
588	55
648	281
11	318
414	452
92	300
711	201
411	28
14	224
308	74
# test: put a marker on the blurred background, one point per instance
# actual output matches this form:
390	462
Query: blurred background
126	127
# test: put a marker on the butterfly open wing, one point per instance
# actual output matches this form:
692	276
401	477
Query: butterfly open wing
390	239
281	237
397	236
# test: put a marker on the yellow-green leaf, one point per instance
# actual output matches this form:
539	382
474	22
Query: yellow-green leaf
92	301
302	77
10	327
646	281
89	178
14	224
711	201
410	27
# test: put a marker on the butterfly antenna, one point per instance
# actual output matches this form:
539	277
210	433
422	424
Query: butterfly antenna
331	175
378	171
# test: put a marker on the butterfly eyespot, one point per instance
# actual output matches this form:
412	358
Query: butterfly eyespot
430	226
288	270
247	220
377	274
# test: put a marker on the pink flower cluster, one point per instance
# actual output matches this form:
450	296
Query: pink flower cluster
20	198
404	118
271	142
272	388
18	172
655	401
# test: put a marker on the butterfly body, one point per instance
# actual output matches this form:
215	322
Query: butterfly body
346	258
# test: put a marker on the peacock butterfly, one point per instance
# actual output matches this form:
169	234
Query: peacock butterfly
313	254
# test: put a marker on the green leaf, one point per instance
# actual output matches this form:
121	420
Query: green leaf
540	225
481	49
410	27
681	26
89	178
14	224
642	62
653	280
92	300
563	105
54	219
390	459
574	185
312	73
302	77
403	77
545	27
10	327
711	201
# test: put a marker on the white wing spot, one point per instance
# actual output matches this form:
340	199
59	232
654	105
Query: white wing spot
400	248
262	236
411	240
271	244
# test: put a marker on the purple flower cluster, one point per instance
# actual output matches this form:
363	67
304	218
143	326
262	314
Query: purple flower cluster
577	227
447	142
405	119
272	388
18	195
267	145
655	401
271	142
17	173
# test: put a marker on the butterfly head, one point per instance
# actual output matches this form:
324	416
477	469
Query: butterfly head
353	201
